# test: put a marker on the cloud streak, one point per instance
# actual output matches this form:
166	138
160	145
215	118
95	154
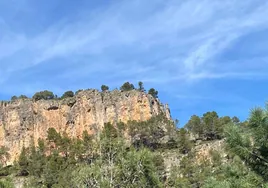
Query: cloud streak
109	29
164	43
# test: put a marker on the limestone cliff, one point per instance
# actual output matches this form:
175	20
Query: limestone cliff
24	121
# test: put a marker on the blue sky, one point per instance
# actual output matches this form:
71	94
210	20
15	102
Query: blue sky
201	55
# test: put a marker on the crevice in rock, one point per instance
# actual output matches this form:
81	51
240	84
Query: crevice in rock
53	108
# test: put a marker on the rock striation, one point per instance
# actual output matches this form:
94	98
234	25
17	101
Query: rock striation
24	121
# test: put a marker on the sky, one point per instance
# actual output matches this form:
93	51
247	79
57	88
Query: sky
201	55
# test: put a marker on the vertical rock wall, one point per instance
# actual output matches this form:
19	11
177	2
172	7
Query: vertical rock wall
24	121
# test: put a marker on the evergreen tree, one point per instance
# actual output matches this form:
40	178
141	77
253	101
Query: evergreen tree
13	98
23	97
235	120
209	127
195	126
141	87
252	144
210	120
36	162
104	88
127	87
153	92
45	95
67	94
184	142
24	162
53	136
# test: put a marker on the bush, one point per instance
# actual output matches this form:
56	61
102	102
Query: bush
6	183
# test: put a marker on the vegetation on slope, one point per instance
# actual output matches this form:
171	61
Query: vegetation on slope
108	160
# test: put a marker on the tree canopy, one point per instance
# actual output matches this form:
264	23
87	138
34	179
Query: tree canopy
141	86
127	87
104	88
210	126
45	95
67	94
153	92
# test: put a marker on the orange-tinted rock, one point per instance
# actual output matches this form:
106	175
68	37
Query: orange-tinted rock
24	121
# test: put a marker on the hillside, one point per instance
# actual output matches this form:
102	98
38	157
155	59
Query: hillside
126	138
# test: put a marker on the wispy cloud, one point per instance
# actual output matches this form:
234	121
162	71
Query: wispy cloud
192	32
164	43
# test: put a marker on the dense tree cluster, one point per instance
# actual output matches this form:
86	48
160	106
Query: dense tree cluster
104	161
208	127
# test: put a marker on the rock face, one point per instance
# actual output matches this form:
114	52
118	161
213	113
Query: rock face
22	122
201	150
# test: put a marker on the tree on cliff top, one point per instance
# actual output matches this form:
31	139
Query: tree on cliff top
46	95
153	92
67	94
127	87
23	97
104	88
141	86
13	98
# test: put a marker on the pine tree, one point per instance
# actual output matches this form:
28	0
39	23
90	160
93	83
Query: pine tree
141	86
252	144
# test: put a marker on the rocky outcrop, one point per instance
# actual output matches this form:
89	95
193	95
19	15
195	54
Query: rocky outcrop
201	150
22	122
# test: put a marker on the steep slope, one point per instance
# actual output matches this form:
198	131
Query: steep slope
22	122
